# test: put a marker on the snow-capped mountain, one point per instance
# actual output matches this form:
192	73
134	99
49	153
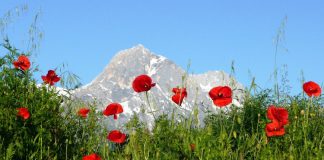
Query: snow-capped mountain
114	84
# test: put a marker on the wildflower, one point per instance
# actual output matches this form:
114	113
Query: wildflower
142	83
279	118
116	136
23	112
51	78
180	94
312	89
113	109
23	63
221	95
83	112
92	156
192	147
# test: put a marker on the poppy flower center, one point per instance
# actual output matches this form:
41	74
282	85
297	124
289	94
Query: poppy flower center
220	94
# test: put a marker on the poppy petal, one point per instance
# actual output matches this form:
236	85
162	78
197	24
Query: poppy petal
113	109
16	64
23	112
272	130
279	118
83	112
270	111
91	157
222	102
56	79
213	93
51	78
116	136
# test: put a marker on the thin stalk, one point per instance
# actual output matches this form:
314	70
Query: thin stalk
149	104
305	127
66	149
41	139
232	128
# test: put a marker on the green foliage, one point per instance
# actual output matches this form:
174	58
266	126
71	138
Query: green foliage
235	134
50	130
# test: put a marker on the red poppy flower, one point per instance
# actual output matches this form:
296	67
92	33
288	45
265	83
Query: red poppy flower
23	63
192	147
113	109
23	112
83	112
142	83
92	156
312	89
51	78
180	94
116	136
221	95
279	118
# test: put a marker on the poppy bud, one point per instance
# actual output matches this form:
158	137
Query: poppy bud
234	134
239	121
302	112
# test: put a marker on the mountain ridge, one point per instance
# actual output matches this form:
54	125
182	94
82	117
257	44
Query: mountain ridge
113	84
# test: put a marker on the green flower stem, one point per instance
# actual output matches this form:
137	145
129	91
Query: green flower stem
306	123
149	104
232	128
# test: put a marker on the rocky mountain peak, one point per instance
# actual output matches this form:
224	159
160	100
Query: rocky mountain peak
114	84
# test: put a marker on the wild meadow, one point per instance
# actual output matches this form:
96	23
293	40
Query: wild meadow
39	123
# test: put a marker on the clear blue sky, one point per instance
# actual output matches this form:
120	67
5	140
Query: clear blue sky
86	35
